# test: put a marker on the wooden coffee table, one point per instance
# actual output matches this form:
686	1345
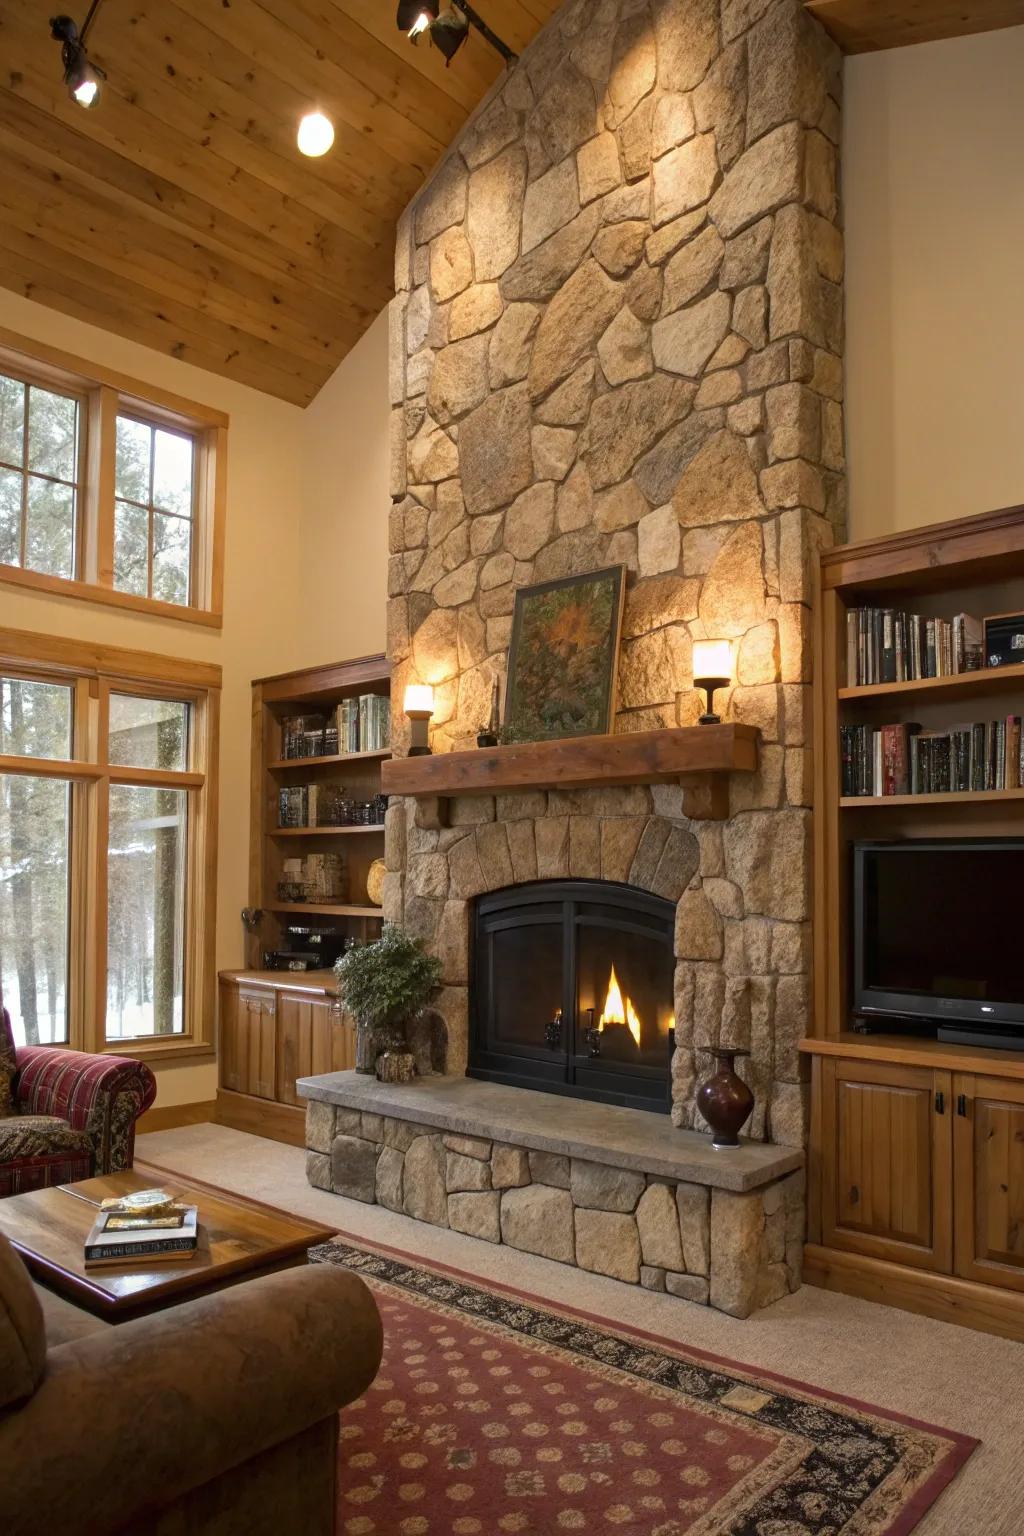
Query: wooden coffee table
238	1239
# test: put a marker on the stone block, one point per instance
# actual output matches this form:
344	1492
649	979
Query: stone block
687	38
538	1219
318	1170
737	1224
354	1168
347	1122
469	1146
510	1168
474	311
320	1126
658	1225
597	167
659	541
494	211
549	1168
466	1173
597	1186
578	314
684	341
732	598
424	1191
401	1134
478	1215
688	1287
691	270
652	1278
698	931
694	1208
390	1168
495	458
684	178
608	1244
371	1127
625	349
766	175
719	484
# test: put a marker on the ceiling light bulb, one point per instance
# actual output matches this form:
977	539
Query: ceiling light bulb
85	90
316	134
421	24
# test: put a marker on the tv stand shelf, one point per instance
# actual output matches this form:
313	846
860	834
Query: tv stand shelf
913	1051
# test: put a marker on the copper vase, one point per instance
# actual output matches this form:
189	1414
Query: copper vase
724	1099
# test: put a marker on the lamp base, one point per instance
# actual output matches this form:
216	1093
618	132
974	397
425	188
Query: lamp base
710	720
710	686
420	752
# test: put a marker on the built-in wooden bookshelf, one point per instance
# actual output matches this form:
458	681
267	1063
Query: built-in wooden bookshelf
317	691
275	1025
913	1194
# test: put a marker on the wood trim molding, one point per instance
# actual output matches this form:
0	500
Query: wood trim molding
170	1117
261	1117
919	551
28	648
110	597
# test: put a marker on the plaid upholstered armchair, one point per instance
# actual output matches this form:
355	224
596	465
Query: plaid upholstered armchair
65	1116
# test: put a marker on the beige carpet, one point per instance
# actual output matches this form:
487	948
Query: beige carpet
967	1381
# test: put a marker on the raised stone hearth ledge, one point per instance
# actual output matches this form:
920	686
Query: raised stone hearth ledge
588	762
614	1191
545	1122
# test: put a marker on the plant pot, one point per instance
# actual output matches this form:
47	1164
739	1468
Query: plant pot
724	1099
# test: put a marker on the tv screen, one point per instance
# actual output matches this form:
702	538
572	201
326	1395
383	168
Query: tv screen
937	932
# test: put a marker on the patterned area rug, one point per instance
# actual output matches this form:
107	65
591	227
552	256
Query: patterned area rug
494	1413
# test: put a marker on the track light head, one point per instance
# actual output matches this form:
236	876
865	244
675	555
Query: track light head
417	16
448	29
81	77
449	32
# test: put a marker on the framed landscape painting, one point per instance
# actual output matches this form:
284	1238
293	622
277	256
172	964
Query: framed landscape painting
564	655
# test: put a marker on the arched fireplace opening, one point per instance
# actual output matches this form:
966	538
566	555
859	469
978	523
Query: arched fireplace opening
572	991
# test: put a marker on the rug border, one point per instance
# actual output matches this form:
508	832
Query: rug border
962	1447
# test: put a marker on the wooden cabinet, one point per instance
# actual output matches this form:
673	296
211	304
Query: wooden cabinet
312	1037
989	1136
887	1162
275	1028
248	1042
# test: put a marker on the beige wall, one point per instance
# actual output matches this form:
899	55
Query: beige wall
296	589
346	499
934	214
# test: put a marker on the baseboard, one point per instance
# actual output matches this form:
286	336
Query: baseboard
261	1117
168	1117
951	1300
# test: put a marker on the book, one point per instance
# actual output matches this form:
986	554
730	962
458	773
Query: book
889	645
104	1245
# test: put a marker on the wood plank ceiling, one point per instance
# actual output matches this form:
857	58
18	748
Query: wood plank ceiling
179	213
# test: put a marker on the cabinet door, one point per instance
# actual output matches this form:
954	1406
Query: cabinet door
311	1039
887	1162
989	1152
247	1042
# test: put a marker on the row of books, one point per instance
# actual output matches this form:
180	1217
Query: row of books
903	759
327	805
362	724
887	645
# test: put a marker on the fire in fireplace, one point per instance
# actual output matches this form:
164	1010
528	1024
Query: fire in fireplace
572	991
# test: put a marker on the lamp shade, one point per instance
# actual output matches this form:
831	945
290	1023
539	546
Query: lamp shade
712	658
419	699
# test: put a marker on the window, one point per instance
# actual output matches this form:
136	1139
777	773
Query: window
107	853
109	490
40	432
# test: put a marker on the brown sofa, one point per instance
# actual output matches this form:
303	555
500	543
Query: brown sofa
217	1416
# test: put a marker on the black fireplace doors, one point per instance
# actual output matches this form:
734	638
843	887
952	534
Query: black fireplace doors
572	991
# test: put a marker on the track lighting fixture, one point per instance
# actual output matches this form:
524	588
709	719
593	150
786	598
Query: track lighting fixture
448	29
81	76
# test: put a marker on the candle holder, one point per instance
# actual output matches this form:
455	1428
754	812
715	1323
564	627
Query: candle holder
419	706
712	669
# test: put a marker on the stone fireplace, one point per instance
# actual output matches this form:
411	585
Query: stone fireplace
617	339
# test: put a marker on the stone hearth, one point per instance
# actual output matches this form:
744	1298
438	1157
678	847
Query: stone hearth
601	1188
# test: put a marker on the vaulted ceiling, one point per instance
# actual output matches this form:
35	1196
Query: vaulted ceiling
179	213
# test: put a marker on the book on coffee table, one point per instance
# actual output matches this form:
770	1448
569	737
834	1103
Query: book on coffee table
118	1238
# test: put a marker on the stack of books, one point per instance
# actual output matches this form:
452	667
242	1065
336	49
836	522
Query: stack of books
364	724
906	760
145	1227
886	645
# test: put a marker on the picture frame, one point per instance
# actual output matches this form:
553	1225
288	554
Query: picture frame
563	657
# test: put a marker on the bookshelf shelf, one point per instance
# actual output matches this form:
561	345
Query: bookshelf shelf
324	831
965	797
324	909
335	761
963	685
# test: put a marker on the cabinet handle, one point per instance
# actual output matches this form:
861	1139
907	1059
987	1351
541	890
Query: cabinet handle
940	1102
961	1104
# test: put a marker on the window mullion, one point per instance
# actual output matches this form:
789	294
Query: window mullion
101	463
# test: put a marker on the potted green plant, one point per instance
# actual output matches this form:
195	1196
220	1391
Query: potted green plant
385	986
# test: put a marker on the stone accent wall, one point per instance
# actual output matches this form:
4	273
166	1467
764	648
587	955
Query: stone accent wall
617	337
736	1252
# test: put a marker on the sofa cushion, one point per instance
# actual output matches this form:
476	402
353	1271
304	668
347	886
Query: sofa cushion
8	1064
22	1333
24	1136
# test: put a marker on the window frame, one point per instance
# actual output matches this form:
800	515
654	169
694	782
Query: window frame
94	674
104	394
73	391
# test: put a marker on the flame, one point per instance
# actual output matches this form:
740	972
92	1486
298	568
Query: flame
616	1011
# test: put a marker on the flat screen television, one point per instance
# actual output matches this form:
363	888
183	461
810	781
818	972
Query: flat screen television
938	938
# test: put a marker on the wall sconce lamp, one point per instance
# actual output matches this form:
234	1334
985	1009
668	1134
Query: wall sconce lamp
712	668
448	29
419	706
81	77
